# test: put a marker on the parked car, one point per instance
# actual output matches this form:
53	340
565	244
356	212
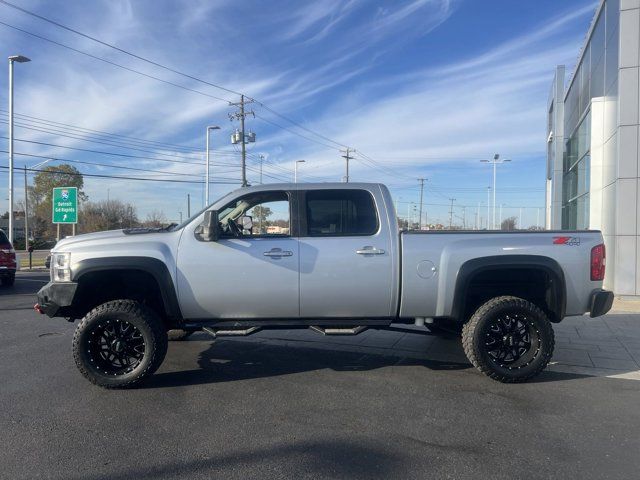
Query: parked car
338	265
8	261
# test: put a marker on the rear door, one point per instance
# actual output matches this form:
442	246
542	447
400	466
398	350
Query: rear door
346	256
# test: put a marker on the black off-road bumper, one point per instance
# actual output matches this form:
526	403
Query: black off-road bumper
601	302
56	298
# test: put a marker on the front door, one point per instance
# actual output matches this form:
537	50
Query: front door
251	271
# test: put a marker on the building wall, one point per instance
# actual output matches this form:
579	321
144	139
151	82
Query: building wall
601	160
555	151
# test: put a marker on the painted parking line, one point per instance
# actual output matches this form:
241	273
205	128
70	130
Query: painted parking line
595	372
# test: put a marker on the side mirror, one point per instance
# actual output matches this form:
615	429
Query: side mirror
209	229
246	222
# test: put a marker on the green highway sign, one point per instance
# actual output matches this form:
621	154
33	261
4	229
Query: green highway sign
64	207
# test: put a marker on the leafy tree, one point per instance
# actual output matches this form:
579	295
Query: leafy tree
40	193
260	213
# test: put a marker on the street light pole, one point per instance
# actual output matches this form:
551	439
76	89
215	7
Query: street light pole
12	59
295	170
496	160
206	174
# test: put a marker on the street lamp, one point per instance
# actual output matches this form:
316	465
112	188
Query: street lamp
295	170
496	160
12	59
206	179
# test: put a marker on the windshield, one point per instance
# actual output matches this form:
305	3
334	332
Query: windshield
192	217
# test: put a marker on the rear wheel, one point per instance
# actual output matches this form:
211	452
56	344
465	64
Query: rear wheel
509	339
119	343
9	280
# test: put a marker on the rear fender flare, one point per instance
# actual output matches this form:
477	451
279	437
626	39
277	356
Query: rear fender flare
473	267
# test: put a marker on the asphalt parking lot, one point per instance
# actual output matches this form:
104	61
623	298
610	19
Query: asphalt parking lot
299	405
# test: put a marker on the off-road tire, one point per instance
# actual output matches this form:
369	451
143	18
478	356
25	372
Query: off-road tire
143	319
178	335
475	330
9	280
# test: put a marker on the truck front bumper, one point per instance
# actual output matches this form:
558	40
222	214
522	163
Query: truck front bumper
601	302
56	298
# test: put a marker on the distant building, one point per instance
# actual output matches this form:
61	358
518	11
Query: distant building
18	227
592	137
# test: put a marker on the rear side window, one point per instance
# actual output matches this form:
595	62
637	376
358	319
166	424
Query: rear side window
3	238
340	213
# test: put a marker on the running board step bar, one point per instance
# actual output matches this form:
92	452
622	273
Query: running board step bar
233	332
339	330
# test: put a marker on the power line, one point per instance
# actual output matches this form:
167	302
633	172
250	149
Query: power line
102	133
114	154
122	167
146	179
154	63
112	63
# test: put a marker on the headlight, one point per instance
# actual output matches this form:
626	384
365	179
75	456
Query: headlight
61	267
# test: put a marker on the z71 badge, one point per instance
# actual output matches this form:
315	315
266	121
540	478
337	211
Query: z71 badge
570	241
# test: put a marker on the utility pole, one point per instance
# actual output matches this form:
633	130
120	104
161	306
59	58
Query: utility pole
451	213
421	180
206	172
347	157
496	160
188	205
520	219
488	207
241	136
261	161
500	216
464	217
26	212
478	226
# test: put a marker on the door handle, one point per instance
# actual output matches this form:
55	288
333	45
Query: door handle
278	252
368	250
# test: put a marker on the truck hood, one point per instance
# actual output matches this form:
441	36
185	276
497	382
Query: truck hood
109	237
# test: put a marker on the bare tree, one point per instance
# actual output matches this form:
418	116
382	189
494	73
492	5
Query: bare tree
155	219
510	223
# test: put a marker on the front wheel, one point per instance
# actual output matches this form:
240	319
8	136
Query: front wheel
509	339
119	343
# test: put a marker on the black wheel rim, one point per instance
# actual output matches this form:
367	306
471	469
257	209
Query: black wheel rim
116	347
512	340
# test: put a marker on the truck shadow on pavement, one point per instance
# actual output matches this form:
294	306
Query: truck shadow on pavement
236	360
335	457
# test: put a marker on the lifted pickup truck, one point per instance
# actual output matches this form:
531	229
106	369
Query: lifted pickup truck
322	256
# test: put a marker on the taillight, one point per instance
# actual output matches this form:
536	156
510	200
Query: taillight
598	262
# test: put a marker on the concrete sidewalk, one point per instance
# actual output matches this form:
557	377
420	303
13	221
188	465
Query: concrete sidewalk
608	346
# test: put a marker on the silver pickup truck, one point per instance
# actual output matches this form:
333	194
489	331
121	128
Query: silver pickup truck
324	256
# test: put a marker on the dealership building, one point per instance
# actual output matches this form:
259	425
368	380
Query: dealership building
593	162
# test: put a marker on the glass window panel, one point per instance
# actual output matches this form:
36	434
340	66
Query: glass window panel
340	212
613	17
611	61
597	79
598	39
585	93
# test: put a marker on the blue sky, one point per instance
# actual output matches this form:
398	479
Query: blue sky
425	88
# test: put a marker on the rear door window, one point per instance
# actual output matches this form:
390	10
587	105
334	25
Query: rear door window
334	213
